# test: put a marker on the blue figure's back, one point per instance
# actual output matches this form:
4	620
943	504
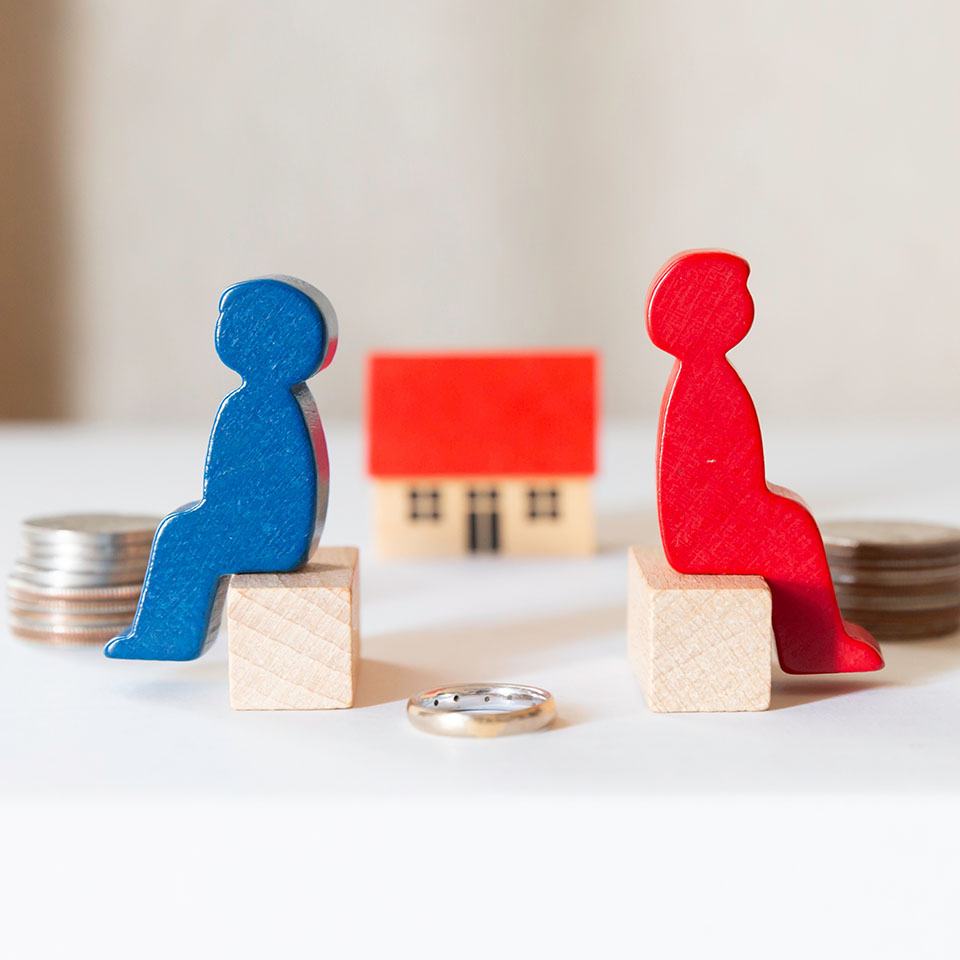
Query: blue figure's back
266	478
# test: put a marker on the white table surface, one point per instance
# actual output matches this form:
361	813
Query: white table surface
100	726
77	729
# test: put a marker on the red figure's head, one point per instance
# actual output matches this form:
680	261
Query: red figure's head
699	303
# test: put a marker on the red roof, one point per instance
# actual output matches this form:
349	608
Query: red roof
504	414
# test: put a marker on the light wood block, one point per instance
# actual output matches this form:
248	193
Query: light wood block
698	643
294	638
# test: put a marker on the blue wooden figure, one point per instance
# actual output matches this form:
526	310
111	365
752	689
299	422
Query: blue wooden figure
266	479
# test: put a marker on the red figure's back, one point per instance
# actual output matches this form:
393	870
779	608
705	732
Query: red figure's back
718	514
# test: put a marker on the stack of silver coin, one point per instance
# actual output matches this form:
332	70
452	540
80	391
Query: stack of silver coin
899	580
79	577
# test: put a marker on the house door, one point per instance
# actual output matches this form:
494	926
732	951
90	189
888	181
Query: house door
484	521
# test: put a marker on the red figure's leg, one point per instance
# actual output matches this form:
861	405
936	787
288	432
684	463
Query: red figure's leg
782	544
811	635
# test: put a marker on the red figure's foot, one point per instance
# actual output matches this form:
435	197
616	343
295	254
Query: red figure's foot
861	653
855	652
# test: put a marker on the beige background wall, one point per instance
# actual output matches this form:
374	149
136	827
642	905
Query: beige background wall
478	172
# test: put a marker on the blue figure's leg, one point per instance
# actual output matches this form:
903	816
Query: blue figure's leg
178	594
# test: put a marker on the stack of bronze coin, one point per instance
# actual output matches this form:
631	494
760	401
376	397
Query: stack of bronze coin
899	580
78	578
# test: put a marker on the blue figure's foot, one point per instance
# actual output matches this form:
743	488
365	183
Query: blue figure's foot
123	646
129	646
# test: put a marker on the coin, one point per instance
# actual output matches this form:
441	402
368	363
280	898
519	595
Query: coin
71	622
906	626
23	589
65	637
40	577
78	577
865	586
90	526
877	602
887	540
98	552
91	613
133	566
898	579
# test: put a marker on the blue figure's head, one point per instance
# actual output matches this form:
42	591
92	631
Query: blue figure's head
277	330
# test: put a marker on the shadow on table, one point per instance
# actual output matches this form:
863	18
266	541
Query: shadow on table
909	663
192	683
791	691
458	653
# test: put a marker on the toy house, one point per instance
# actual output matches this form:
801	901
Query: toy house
482	452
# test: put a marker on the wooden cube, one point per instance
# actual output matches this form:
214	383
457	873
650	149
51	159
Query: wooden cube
698	643
294	638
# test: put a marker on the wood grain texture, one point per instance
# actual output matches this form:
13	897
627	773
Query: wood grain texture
698	643
294	638
718	514
266	477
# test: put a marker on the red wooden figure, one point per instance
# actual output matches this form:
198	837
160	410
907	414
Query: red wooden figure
718	514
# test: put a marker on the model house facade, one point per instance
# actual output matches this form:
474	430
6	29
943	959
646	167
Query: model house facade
484	453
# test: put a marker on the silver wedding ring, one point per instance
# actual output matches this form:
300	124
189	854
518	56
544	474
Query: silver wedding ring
481	709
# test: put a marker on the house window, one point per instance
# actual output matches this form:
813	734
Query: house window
424	503
543	503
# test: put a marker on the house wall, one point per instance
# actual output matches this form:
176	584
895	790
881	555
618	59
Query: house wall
397	535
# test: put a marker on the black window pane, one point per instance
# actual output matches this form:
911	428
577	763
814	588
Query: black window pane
424	503
543	502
